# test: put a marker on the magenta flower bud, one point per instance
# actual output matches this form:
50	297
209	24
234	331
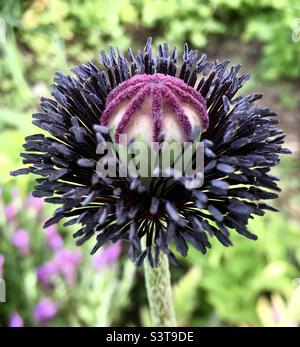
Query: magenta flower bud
16	321
45	310
20	240
155	105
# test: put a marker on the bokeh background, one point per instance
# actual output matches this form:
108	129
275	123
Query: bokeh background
49	281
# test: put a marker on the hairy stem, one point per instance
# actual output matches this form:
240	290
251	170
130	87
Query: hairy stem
159	292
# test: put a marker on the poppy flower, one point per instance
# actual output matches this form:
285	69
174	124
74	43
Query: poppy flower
157	97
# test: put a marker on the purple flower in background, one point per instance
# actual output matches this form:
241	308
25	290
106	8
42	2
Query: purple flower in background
64	264
46	272
67	262
45	310
107	257
2	261
10	213
16	321
36	203
20	239
54	240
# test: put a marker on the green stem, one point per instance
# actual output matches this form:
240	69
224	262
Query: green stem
159	292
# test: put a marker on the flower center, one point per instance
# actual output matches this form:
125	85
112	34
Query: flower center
155	105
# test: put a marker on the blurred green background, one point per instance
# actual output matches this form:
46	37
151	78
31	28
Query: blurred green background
49	281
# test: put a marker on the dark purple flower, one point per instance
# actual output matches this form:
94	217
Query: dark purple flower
45	310
241	144
54	240
20	239
16	321
107	256
2	261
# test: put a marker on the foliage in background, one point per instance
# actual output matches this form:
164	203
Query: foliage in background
41	36
54	34
234	279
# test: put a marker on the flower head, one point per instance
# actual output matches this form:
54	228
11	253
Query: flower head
158	97
45	310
